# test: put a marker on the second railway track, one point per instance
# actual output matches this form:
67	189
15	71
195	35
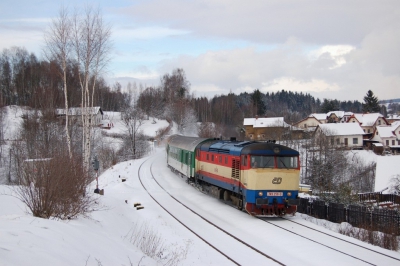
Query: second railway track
244	240
204	229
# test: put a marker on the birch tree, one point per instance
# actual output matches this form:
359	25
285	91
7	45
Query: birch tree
91	38
58	48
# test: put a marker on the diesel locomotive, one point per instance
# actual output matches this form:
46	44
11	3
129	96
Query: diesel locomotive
261	178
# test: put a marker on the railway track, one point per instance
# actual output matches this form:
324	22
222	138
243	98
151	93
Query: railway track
304	232
300	241
209	232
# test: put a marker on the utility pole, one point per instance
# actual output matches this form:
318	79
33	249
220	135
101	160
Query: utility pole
96	165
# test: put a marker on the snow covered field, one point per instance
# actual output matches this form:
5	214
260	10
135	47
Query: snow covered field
107	235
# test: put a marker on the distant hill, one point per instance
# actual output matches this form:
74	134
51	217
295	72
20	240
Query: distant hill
390	101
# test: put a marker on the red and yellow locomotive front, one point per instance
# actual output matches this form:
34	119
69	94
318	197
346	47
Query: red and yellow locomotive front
260	177
270	179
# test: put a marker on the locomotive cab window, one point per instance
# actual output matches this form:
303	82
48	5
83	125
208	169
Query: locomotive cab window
262	161
287	162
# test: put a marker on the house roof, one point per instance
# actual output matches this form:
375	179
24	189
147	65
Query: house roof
78	111
387	131
307	118
367	120
341	129
339	114
318	116
265	122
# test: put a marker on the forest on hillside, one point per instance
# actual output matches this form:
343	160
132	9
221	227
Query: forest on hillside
26	80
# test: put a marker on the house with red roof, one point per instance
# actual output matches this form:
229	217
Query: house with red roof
368	122
389	136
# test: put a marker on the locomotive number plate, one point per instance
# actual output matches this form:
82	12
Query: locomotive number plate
274	194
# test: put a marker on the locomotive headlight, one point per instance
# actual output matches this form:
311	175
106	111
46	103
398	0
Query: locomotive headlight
260	193
289	194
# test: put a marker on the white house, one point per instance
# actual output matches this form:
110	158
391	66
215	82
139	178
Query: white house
75	114
369	121
343	134
389	136
311	122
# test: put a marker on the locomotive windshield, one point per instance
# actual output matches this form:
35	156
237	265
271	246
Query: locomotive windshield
274	161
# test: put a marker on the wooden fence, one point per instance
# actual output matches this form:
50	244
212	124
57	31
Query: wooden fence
378	197
371	218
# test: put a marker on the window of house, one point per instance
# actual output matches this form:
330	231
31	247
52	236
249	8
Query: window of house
364	131
393	142
355	140
379	122
369	130
337	141
346	141
387	142
398	142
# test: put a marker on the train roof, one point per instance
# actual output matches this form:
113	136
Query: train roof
238	148
184	142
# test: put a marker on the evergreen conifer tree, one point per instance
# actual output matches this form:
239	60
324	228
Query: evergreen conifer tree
371	103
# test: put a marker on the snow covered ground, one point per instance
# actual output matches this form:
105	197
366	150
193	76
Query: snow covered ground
107	235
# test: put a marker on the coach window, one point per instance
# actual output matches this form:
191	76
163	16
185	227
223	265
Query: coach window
226	158
220	159
212	157
208	157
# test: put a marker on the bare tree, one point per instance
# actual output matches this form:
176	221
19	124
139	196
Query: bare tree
91	45
58	48
133	120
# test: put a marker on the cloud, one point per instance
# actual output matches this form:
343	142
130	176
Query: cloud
331	72
273	21
146	33
291	84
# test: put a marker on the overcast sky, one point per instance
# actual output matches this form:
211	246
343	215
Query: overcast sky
330	49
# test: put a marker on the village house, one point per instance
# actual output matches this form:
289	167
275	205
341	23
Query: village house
311	122
334	116
393	118
342	134
272	128
389	136
75	115
368	122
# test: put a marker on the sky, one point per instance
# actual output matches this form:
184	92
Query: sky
329	49
106	236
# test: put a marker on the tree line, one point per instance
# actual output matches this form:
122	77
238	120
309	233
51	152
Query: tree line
26	80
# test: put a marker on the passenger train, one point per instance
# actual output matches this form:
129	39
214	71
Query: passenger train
261	178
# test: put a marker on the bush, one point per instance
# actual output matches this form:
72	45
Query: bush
54	187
